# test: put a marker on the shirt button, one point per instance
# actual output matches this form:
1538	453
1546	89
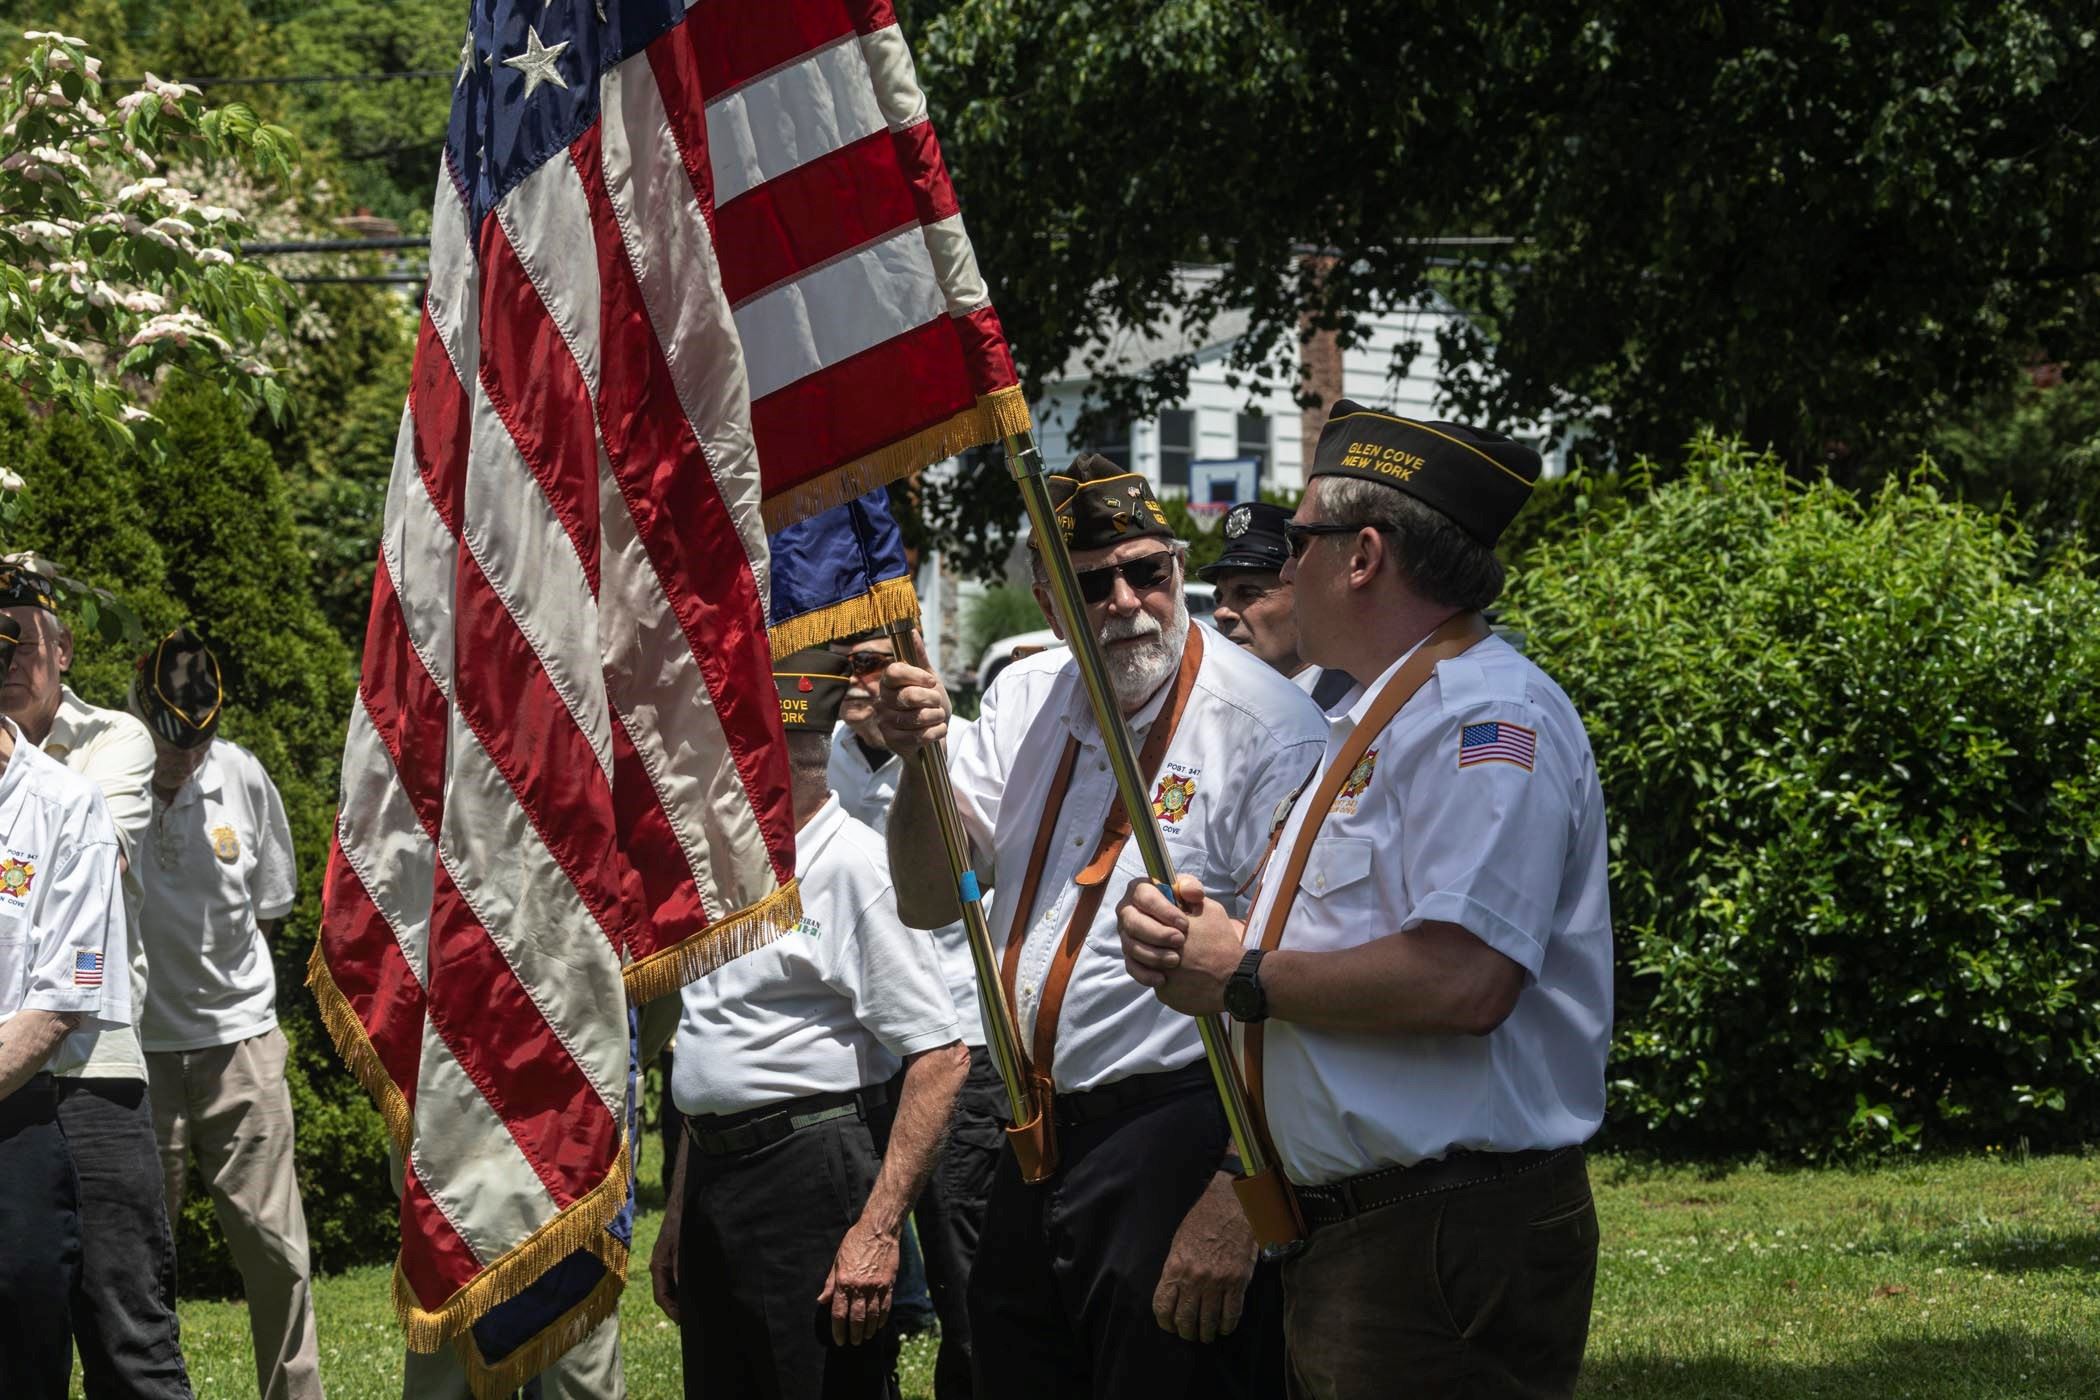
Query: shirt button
1319	882
1079	840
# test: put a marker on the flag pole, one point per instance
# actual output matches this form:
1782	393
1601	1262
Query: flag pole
1002	1035
1026	464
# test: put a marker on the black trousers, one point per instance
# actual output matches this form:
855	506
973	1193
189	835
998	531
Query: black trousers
39	1244
759	1234
124	1304
950	1215
1479	1292
1061	1297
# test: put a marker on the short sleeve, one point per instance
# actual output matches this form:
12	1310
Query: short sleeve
273	885
79	961
1486	839
889	974
977	768
121	765
1245	831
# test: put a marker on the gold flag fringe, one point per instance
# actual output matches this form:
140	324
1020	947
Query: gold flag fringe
504	1378
722	941
581	1226
890	600
355	1046
993	417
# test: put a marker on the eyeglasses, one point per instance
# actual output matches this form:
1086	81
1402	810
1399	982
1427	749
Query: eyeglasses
1142	574
1300	537
861	663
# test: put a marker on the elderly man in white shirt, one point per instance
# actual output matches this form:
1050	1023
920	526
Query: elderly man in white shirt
816	1075
1120	1273
62	969
124	1310
218	876
1425	982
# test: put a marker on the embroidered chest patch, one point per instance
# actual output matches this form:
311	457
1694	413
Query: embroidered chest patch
1354	786
810	926
16	876
1170	800
224	844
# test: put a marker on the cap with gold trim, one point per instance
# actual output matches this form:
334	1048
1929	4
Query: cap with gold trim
177	691
1480	479
811	684
1099	504
22	587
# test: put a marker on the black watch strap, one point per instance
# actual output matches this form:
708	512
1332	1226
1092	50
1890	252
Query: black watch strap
1246	999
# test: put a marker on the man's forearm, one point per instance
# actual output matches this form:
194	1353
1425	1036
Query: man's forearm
1435	979
27	1042
931	1082
926	897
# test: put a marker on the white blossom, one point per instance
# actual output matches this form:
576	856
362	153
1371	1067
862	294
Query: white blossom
42	231
145	303
9	481
214	257
132	193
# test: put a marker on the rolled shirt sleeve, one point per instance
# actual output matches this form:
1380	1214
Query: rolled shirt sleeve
273	885
889	973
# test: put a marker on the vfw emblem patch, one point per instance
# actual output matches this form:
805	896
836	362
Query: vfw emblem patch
224	844
1170	800
16	876
1356	783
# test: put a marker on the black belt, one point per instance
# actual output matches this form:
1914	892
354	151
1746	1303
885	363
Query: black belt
1343	1200
1092	1105
733	1134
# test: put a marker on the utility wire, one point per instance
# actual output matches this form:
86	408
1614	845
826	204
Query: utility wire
305	79
266	249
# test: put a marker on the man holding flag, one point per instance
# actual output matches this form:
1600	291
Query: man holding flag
1122	1272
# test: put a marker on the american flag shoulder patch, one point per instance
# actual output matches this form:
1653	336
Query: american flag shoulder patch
87	969
1497	741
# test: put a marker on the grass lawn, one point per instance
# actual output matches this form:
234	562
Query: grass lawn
1968	1278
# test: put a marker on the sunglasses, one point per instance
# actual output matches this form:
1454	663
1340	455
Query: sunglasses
1300	537
861	663
1142	574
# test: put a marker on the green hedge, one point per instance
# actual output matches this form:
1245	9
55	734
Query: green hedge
207	538
1850	750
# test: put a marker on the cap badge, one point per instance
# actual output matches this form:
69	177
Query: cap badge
1236	523
804	685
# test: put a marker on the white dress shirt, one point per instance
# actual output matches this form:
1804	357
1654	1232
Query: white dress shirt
216	866
1513	854
114	751
834	1006
61	908
1247	739
866	791
1308	680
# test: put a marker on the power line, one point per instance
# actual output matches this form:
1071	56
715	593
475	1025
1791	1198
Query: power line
268	249
397	279
304	79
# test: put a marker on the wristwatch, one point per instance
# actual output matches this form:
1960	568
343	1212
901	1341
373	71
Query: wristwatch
1244	998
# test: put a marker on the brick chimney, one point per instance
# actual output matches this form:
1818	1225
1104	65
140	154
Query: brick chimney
1320	369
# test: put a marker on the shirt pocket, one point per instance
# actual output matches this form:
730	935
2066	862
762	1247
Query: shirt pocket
1338	868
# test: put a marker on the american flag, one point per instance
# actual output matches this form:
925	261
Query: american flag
669	244
87	969
1497	741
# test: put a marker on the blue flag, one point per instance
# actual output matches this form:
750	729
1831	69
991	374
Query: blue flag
839	572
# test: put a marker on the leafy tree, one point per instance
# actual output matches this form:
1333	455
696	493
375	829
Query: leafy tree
110	271
1827	227
2041	458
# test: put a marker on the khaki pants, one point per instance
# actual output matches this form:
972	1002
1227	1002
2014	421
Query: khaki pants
232	1107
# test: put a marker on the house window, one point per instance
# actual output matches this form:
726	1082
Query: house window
1177	446
1254	441
1111	440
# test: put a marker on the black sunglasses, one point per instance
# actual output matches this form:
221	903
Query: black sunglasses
860	663
1300	537
1142	574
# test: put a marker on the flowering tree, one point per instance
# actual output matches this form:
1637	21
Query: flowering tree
110	271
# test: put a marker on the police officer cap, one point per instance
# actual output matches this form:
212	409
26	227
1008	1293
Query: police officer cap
1481	480
22	587
1253	540
811	684
176	690
1099	504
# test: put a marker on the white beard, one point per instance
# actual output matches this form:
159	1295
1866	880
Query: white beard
1134	672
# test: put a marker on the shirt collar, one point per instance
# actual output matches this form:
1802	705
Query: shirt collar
73	715
207	781
813	837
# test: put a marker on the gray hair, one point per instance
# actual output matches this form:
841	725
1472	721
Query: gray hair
809	754
1039	572
1436	557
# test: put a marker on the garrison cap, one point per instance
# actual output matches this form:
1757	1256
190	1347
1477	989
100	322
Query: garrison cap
23	587
1253	540
176	690
811	685
1480	479
1099	504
